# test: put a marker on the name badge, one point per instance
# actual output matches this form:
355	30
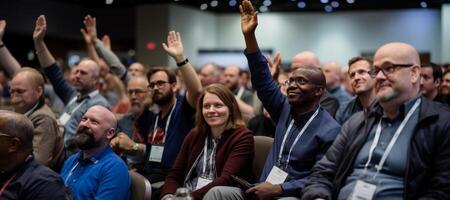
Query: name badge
202	182
276	176
156	153
64	118
363	191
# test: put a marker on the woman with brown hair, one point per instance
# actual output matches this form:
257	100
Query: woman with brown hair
218	147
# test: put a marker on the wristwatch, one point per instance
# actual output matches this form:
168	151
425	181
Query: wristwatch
136	146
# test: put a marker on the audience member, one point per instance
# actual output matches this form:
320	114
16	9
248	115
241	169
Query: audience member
77	98
136	69
360	69
431	79
27	90
307	58
21	176
231	80
209	74
310	129
333	73
164	132
27	97
140	97
445	86
399	150
215	149
96	172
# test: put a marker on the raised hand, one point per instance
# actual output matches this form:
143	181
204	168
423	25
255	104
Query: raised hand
90	29
275	65
174	46
249	17
2	29
40	29
106	42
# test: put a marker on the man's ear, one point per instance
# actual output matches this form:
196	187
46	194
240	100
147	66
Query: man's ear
319	91
415	73
110	133
437	83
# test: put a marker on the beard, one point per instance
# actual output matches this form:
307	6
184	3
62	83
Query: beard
85	139
161	99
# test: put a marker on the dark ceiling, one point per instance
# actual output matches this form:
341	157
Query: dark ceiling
230	6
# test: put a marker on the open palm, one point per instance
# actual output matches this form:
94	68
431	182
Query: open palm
40	29
174	45
249	17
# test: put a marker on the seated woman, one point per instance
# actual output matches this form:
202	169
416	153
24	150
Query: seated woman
218	147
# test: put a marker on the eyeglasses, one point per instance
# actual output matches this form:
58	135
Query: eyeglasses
137	91
388	69
159	84
299	81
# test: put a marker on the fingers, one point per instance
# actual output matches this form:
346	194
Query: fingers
166	48
252	189
83	32
41	22
2	25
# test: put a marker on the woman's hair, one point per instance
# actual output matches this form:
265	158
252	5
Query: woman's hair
227	97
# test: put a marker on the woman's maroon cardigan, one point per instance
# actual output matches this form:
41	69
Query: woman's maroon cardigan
234	156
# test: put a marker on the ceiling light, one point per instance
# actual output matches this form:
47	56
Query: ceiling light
214	3
328	8
267	2
350	1
324	1
204	6
263	9
109	2
301	4
423	4
232	3
334	4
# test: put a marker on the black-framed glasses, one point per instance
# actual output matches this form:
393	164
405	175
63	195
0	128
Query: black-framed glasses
159	84
136	91
388	69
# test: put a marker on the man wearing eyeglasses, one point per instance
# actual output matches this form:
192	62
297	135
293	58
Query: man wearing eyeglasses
304	130
21	176
128	140
164	132
362	82
399	150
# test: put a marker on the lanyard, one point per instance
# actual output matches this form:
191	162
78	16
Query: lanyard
240	92
7	183
70	112
71	172
394	138
167	124
31	111
296	139
205	152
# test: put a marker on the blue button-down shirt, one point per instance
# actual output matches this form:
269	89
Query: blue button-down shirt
102	176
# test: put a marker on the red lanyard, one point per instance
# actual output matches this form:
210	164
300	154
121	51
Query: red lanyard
7	183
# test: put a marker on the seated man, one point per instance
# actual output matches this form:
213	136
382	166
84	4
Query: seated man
399	150
304	130
431	81
96	172
21	176
27	97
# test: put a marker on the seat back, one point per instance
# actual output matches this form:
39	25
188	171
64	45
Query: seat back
140	187
262	148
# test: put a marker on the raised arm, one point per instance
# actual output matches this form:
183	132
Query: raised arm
275	66
7	60
45	57
111	59
249	21
174	48
62	88
88	38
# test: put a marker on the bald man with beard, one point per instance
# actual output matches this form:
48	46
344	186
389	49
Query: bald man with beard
96	172
399	150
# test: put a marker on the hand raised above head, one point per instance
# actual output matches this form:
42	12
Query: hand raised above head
40	29
90	28
249	17
174	46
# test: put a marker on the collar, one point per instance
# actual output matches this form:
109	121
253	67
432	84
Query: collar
34	108
80	98
95	158
403	109
11	170
302	118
